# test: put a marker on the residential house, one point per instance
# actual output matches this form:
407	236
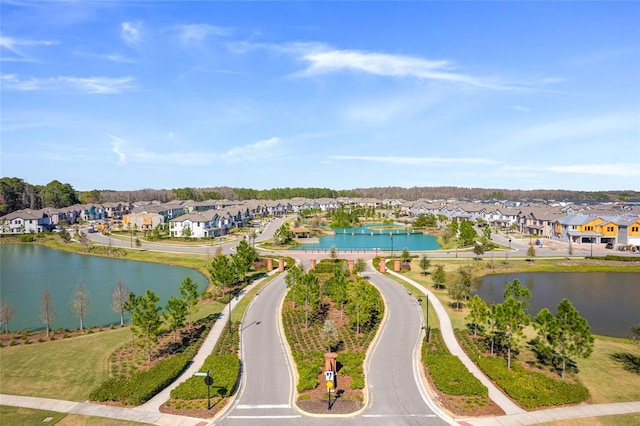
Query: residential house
24	222
196	225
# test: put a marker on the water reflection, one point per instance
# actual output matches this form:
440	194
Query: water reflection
610	301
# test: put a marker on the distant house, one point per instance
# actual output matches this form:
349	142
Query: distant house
143	221
24	222
196	225
629	230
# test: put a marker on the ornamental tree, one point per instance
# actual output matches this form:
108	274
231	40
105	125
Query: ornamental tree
564	335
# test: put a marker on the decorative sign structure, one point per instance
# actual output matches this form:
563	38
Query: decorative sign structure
208	380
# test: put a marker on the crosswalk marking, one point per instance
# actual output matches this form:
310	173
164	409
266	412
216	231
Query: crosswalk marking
261	406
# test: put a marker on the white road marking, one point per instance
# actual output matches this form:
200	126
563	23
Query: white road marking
398	415
264	417
258	406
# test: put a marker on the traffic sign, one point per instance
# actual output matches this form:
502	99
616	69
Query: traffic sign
329	385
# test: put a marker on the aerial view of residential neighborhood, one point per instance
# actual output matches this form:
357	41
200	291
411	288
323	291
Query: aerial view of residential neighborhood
360	213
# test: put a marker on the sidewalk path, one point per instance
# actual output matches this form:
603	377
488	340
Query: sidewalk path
99	410
508	406
153	405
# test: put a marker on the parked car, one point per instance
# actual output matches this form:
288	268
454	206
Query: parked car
609	245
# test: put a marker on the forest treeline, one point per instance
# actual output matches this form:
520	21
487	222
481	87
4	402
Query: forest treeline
16	194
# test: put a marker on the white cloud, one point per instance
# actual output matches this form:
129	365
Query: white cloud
415	161
115	57
14	45
117	144
324	60
90	85
253	152
521	108
131	32
198	32
577	129
613	169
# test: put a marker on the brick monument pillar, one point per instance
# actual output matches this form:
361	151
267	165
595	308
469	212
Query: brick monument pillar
382	266
280	265
351	264
312	264
269	265
396	265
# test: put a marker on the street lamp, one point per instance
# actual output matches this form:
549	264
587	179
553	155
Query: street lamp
591	246
509	243
391	236
428	330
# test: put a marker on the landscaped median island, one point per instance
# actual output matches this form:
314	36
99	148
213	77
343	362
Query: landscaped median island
329	310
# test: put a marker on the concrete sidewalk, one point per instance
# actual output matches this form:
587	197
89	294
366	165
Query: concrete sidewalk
496	395
99	410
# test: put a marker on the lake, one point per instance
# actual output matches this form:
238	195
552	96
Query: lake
374	237
610	301
27	270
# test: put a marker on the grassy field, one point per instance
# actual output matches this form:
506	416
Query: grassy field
615	420
606	373
67	369
63	369
27	416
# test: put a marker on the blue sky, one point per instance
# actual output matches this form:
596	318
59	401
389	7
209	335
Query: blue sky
143	94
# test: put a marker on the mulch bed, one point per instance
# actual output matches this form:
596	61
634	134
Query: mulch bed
316	401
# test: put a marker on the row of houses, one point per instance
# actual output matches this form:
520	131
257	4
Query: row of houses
599	224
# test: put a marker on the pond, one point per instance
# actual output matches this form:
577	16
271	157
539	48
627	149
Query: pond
610	301
27	270
374	237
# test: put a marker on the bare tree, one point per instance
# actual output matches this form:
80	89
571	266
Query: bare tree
47	312
80	303
6	314
119	298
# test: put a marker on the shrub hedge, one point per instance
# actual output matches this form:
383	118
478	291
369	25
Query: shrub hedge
352	365
448	373
224	371
309	366
532	389
224	365
141	386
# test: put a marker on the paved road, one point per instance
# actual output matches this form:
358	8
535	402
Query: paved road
396	393
266	391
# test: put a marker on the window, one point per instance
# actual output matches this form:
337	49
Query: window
634	229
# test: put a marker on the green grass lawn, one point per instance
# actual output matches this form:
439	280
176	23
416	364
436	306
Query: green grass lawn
615	420
28	416
70	368
64	369
612	372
